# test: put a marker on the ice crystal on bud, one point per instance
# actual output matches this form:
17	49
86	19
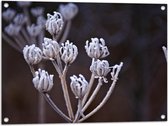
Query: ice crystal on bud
32	54
96	48
51	48
68	52
9	14
20	19
12	29
79	86
54	23
100	69
115	71
42	81
68	11
34	30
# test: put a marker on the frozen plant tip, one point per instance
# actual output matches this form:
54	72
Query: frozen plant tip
42	81
68	11
100	69
115	71
32	54
54	23
79	86
96	48
68	52
51	49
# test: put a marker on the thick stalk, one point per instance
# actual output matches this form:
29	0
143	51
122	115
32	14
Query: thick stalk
56	109
66	94
93	95
102	102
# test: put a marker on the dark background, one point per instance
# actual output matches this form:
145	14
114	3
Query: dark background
134	34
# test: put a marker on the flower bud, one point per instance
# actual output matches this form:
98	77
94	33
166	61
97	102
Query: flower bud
68	52
115	71
20	19
12	30
79	86
54	23
42	81
50	48
68	11
100	69
32	54
34	30
96	48
8	14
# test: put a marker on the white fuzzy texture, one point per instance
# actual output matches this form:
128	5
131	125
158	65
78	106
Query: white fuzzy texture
79	85
54	23
51	49
100	69
115	71
12	29
96	48
68	52
42	81
68	11
32	54
20	19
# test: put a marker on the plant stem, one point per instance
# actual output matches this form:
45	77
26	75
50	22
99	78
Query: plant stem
93	95
66	32
65	92
26	12
78	113
52	104
56	67
89	89
102	102
25	34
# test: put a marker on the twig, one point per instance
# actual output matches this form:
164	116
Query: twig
52	104
89	89
93	95
102	102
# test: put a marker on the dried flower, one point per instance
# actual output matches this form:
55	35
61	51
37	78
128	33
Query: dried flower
115	71
9	14
68	11
20	19
54	23
23	4
42	81
96	48
79	86
37	11
12	29
100	69
51	48
32	54
34	30
68	52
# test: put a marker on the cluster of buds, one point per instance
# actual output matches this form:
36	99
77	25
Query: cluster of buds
79	86
42	81
54	23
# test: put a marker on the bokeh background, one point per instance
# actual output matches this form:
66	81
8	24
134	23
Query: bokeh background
134	34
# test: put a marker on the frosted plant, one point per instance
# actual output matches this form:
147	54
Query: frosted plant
165	51
29	39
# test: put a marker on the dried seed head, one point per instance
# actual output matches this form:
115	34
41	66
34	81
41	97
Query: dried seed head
96	48
51	48
32	54
20	19
68	52
54	23
34	30
100	69
37	11
115	71
42	81
12	30
8	14
79	86
23	4
68	11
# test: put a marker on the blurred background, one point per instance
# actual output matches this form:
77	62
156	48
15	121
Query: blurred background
134	34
